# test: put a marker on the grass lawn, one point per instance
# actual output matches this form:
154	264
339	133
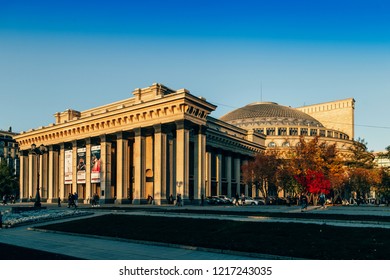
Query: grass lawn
309	241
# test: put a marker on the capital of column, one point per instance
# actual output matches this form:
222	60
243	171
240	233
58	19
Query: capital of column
103	138
160	128
137	131
183	124
122	135
201	129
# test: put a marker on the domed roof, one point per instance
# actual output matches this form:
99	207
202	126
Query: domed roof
269	113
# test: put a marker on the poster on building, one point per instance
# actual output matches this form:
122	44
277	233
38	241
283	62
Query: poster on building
95	164
68	167
81	159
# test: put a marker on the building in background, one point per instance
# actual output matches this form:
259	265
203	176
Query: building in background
9	150
333	122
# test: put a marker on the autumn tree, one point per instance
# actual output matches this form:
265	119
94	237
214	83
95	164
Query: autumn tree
316	166
261	171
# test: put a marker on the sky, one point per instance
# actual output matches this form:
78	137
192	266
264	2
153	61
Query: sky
58	55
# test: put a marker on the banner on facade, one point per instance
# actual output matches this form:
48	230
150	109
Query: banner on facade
95	164
68	167
81	159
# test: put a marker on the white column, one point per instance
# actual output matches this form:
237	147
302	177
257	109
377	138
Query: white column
200	156
61	167
120	166
159	164
74	167
237	174
246	185
138	170
208	174
182	159
31	176
219	173
50	182
105	180
229	175
22	175
88	187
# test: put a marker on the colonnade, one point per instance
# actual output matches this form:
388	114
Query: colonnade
158	161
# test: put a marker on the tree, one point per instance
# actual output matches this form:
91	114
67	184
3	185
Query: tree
360	156
314	182
384	188
8	181
313	163
261	171
361	169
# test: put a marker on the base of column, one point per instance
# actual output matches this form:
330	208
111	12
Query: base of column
123	201
136	201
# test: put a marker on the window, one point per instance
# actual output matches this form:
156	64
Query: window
271	144
282	131
286	144
293	131
271	131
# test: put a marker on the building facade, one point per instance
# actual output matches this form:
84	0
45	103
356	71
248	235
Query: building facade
160	142
332	122
9	150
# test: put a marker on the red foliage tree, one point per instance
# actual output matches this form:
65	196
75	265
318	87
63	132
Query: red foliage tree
314	182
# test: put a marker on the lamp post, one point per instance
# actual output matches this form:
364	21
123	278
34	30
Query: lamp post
38	152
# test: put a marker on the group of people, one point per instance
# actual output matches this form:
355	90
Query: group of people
73	200
11	199
95	200
304	201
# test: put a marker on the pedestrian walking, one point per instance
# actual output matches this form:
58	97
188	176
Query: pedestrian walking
170	199
303	202
322	200
59	201
236	197
178	200
75	199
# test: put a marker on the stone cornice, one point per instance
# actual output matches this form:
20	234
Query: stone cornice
231	143
121	117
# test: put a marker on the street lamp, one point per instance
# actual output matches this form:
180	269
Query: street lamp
38	152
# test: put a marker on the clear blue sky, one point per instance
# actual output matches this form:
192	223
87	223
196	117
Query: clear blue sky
56	55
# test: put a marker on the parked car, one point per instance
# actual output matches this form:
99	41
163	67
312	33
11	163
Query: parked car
247	201
214	200
226	199
260	200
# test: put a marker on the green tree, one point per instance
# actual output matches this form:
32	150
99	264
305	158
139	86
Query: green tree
361	169
8	181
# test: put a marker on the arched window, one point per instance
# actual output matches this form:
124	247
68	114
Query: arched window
286	144
271	144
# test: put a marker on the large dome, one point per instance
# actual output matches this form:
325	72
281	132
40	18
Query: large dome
269	113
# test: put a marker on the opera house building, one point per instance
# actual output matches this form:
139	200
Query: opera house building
162	142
